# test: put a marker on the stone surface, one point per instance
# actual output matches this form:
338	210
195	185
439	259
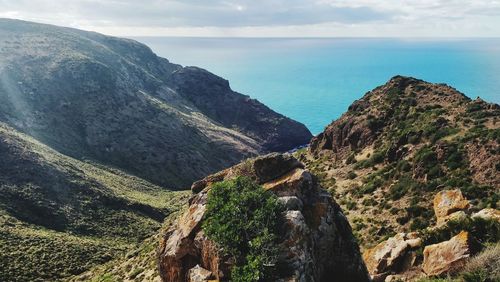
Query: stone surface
488	213
318	243
199	274
447	202
448	256
393	255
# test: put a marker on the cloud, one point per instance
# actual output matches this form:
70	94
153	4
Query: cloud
176	13
331	17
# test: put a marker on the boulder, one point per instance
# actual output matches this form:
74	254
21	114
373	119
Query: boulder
199	274
317	244
447	202
393	255
488	213
449	256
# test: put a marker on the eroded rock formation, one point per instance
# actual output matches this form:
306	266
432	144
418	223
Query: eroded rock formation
318	244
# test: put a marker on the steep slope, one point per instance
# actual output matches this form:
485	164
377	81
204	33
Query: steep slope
114	101
60	216
400	144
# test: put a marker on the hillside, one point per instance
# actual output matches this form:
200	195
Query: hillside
395	148
114	101
61	216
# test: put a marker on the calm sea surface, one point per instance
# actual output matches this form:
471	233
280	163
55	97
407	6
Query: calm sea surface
315	80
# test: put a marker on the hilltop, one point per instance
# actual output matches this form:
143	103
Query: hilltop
388	155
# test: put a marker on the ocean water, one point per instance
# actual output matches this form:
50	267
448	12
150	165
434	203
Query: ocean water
315	80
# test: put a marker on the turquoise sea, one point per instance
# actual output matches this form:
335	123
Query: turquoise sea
315	80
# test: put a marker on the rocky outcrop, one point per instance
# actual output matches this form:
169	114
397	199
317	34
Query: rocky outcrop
395	255
318	243
343	136
449	204
448	256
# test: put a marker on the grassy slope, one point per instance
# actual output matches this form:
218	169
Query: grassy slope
138	264
449	142
60	216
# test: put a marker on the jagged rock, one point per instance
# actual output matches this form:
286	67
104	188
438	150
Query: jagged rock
393	255
318	243
487	213
447	202
448	256
199	274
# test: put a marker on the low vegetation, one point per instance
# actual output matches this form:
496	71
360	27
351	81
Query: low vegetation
245	220
60	216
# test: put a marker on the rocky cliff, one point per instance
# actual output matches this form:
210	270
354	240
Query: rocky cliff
317	246
114	101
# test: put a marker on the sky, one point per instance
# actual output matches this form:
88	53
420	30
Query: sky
267	18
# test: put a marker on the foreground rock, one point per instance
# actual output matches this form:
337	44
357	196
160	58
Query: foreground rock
447	203
448	256
319	243
395	255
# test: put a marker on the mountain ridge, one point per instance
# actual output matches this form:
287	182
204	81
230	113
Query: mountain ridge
113	100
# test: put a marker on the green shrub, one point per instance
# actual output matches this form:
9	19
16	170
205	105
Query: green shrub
427	159
400	188
351	159
483	267
484	231
351	175
418	224
244	220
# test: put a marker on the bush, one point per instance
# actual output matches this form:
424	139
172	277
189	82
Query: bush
351	159
351	175
483	267
244	220
484	231
400	188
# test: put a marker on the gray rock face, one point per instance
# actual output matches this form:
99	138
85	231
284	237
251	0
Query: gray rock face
318	244
113	100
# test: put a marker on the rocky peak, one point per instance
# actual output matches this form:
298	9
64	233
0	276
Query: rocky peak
380	110
318	243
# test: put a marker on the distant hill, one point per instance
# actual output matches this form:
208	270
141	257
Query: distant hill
396	147
114	101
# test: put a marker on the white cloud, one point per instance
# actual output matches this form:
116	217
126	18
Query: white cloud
266	17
